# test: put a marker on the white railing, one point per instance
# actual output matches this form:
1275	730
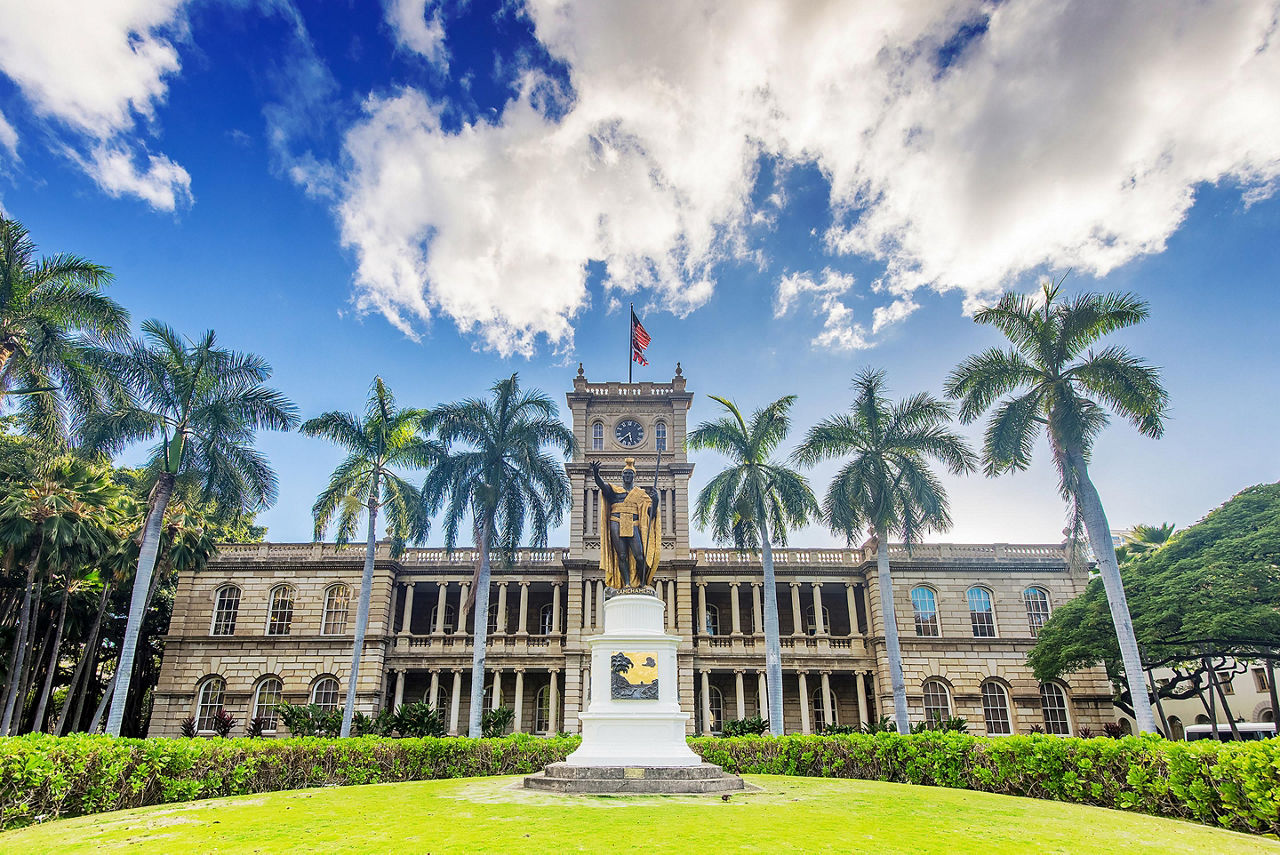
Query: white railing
634	390
897	552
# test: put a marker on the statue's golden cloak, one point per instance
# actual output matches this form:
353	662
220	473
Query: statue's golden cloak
633	515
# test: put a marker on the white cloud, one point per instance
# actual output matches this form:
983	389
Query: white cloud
98	68
1068	134
8	137
417	25
161	182
839	331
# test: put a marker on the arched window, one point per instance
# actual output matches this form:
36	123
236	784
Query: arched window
264	703
597	436
925	605
324	693
542	710
440	701
448	618
493	618
226	607
995	709
337	599
816	709
715	700
1053	703
546	617
937	703
1125	727
660	435
280	615
1176	730
713	619
209	703
811	628
981	615
1202	719
1037	601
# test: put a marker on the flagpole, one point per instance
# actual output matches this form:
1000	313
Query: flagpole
631	337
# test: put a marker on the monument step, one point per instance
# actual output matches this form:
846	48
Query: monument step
638	780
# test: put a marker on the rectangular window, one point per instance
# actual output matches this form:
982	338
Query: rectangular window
1225	678
225	610
1260	679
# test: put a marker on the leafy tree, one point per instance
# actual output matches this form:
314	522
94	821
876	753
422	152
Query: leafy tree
204	404
1215	584
386	438
1053	380
886	487
498	474
751	504
53	315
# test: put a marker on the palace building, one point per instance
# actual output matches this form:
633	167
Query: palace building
273	621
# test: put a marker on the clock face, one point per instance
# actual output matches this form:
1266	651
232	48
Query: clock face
629	432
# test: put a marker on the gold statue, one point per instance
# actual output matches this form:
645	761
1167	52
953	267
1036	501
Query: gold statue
629	555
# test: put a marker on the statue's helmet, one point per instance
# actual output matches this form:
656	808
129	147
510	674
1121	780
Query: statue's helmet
629	463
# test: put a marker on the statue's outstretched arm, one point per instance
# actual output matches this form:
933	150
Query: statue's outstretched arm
608	491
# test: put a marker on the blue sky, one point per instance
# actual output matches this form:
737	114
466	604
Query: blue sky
443	193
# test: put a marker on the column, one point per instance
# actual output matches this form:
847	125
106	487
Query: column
804	701
586	688
669	600
797	616
555	609
435	688
519	705
587	621
707	723
497	688
523	629
406	618
826	697
502	609
740	690
553	697
600	604
757	612
441	603
463	589
860	683
702	608
819	625
853	609
735	605
762	695
400	678
453	703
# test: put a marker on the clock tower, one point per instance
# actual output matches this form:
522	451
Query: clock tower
613	421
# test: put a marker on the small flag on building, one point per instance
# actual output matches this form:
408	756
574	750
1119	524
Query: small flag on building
639	340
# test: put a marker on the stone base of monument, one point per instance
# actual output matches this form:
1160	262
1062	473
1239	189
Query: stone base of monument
633	731
637	780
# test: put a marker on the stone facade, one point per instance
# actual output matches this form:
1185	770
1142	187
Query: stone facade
549	601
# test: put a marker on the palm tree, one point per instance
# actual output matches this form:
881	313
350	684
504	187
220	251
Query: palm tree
204	404
52	315
497	473
385	438
752	503
1052	380
1142	539
887	487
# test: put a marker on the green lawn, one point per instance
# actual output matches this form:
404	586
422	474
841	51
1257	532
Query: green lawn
490	815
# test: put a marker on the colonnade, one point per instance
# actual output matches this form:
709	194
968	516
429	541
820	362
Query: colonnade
802	696
440	627
456	678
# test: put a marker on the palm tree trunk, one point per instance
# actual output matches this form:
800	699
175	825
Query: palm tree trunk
52	671
772	644
20	638
33	671
362	610
83	672
892	646
475	728
137	603
1095	523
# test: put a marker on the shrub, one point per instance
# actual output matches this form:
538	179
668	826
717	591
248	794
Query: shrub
310	719
1112	729
254	729
223	723
838	729
419	719
884	725
189	726
753	726
494	723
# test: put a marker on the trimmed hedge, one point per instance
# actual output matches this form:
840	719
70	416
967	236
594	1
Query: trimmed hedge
1232	785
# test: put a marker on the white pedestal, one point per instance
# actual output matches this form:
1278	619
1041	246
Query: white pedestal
629	731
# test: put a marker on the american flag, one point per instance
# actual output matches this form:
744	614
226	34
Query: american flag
639	340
